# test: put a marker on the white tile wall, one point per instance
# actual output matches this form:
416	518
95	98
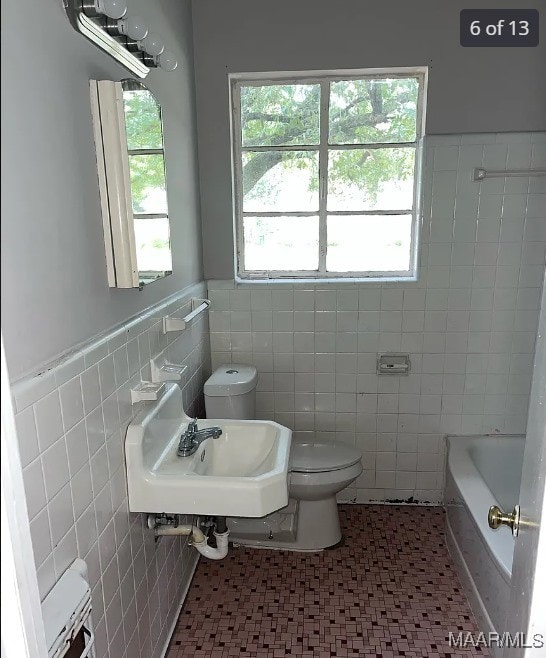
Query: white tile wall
469	324
71	422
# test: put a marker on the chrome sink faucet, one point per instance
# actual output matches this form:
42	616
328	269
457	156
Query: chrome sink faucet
192	438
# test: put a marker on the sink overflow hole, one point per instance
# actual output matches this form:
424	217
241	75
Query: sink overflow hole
203	455
232	372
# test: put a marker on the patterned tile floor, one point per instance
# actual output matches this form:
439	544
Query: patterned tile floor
390	591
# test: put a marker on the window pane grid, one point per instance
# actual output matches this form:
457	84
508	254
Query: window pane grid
341	213
281	213
371	147
314	147
145	151
355	217
263	149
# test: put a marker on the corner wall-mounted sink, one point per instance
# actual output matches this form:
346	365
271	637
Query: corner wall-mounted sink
242	473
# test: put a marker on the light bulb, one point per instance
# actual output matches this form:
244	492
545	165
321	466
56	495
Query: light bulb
112	8
151	44
167	61
133	27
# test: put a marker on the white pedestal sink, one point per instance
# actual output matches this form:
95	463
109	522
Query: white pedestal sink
243	473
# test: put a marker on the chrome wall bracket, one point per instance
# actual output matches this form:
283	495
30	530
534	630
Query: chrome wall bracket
96	29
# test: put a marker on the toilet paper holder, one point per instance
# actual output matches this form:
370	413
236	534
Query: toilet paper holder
393	364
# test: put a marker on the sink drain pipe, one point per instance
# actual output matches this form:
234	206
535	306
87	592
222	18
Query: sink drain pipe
170	528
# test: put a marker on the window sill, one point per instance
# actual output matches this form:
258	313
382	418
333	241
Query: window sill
330	280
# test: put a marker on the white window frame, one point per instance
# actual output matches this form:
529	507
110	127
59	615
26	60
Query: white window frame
324	78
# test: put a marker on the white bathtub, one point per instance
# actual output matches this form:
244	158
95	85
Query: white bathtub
483	471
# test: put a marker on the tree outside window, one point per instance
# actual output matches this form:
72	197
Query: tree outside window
326	175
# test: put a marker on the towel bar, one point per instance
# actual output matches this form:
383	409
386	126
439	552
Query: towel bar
179	324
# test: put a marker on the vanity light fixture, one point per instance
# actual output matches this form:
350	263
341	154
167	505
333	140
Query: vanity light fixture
126	38
167	61
151	45
111	8
133	28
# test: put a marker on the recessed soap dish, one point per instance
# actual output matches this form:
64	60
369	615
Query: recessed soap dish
164	371
147	391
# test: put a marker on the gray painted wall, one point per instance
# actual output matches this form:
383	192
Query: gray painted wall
54	286
470	89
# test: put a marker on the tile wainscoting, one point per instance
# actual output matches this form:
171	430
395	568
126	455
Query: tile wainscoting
469	324
71	421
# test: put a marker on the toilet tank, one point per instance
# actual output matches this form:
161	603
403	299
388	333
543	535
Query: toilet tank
230	392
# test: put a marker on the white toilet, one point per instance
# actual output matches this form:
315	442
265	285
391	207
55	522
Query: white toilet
318	471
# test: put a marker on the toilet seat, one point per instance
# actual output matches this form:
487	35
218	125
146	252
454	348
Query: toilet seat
322	457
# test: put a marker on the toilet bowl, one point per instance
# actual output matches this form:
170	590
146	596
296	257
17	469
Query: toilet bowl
318	470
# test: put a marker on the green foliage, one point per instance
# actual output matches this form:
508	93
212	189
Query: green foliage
280	115
142	120
360	112
372	111
144	131
147	176
367	170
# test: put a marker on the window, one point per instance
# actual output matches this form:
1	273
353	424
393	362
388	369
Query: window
326	174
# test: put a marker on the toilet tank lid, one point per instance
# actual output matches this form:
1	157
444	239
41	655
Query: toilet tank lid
231	379
320	456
